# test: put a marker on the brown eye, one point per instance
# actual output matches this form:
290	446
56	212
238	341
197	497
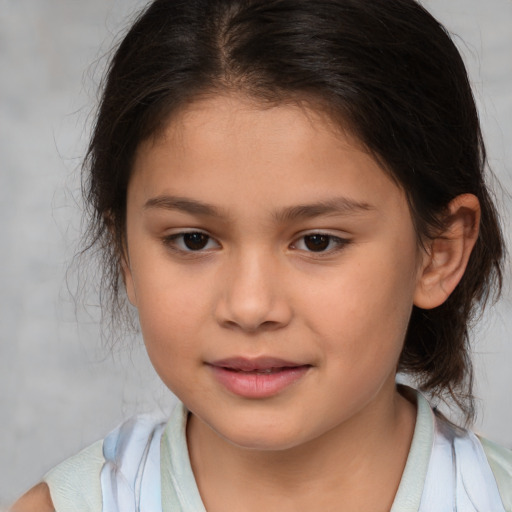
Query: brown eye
320	243
190	241
195	241
317	243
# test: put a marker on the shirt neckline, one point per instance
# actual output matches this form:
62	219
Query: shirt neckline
179	487
410	490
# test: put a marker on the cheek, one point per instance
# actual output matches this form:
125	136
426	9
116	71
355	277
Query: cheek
171	311
171	340
364	310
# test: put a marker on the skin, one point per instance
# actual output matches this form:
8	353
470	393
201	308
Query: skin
256	290
341	433
36	500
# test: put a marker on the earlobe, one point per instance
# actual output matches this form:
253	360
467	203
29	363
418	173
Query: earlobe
448	254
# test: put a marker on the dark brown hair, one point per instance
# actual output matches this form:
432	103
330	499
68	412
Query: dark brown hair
385	68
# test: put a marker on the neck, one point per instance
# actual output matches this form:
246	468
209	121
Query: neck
351	464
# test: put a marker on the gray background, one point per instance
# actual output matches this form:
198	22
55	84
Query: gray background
61	389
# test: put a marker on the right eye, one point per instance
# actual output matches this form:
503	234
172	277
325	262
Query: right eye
190	241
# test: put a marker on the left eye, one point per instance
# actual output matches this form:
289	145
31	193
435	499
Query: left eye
319	242
192	241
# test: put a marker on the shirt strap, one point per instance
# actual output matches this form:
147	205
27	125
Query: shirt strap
130	477
459	475
500	460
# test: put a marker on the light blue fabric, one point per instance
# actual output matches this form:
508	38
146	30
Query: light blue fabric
500	460
130	477
147	462
459	476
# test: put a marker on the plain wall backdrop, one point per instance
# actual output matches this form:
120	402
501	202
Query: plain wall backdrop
60	388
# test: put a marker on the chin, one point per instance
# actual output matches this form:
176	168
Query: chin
270	438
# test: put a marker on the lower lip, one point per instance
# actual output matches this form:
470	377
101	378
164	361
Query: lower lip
258	385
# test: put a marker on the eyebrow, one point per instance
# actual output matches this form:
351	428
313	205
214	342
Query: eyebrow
183	204
334	206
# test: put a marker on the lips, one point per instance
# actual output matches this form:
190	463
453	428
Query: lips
262	377
253	365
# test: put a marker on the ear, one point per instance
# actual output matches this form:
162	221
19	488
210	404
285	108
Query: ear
448	254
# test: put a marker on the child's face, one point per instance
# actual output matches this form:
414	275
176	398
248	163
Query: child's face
260	238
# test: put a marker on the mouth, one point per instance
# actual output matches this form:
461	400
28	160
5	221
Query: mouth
261	371
259	364
257	378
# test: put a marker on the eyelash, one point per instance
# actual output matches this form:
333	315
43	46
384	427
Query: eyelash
173	242
338	242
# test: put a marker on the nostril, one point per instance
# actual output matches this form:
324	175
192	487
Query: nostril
251	298
267	325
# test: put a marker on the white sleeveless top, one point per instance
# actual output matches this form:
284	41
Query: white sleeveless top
145	467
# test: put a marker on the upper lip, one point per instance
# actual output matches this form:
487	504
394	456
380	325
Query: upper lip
253	364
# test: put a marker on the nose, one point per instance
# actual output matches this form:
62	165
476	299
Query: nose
253	296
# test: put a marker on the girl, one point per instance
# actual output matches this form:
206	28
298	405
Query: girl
291	193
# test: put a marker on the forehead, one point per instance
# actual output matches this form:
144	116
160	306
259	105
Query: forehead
244	152
289	119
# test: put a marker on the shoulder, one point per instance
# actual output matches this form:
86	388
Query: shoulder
74	485
37	499
112	466
500	460
78	484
